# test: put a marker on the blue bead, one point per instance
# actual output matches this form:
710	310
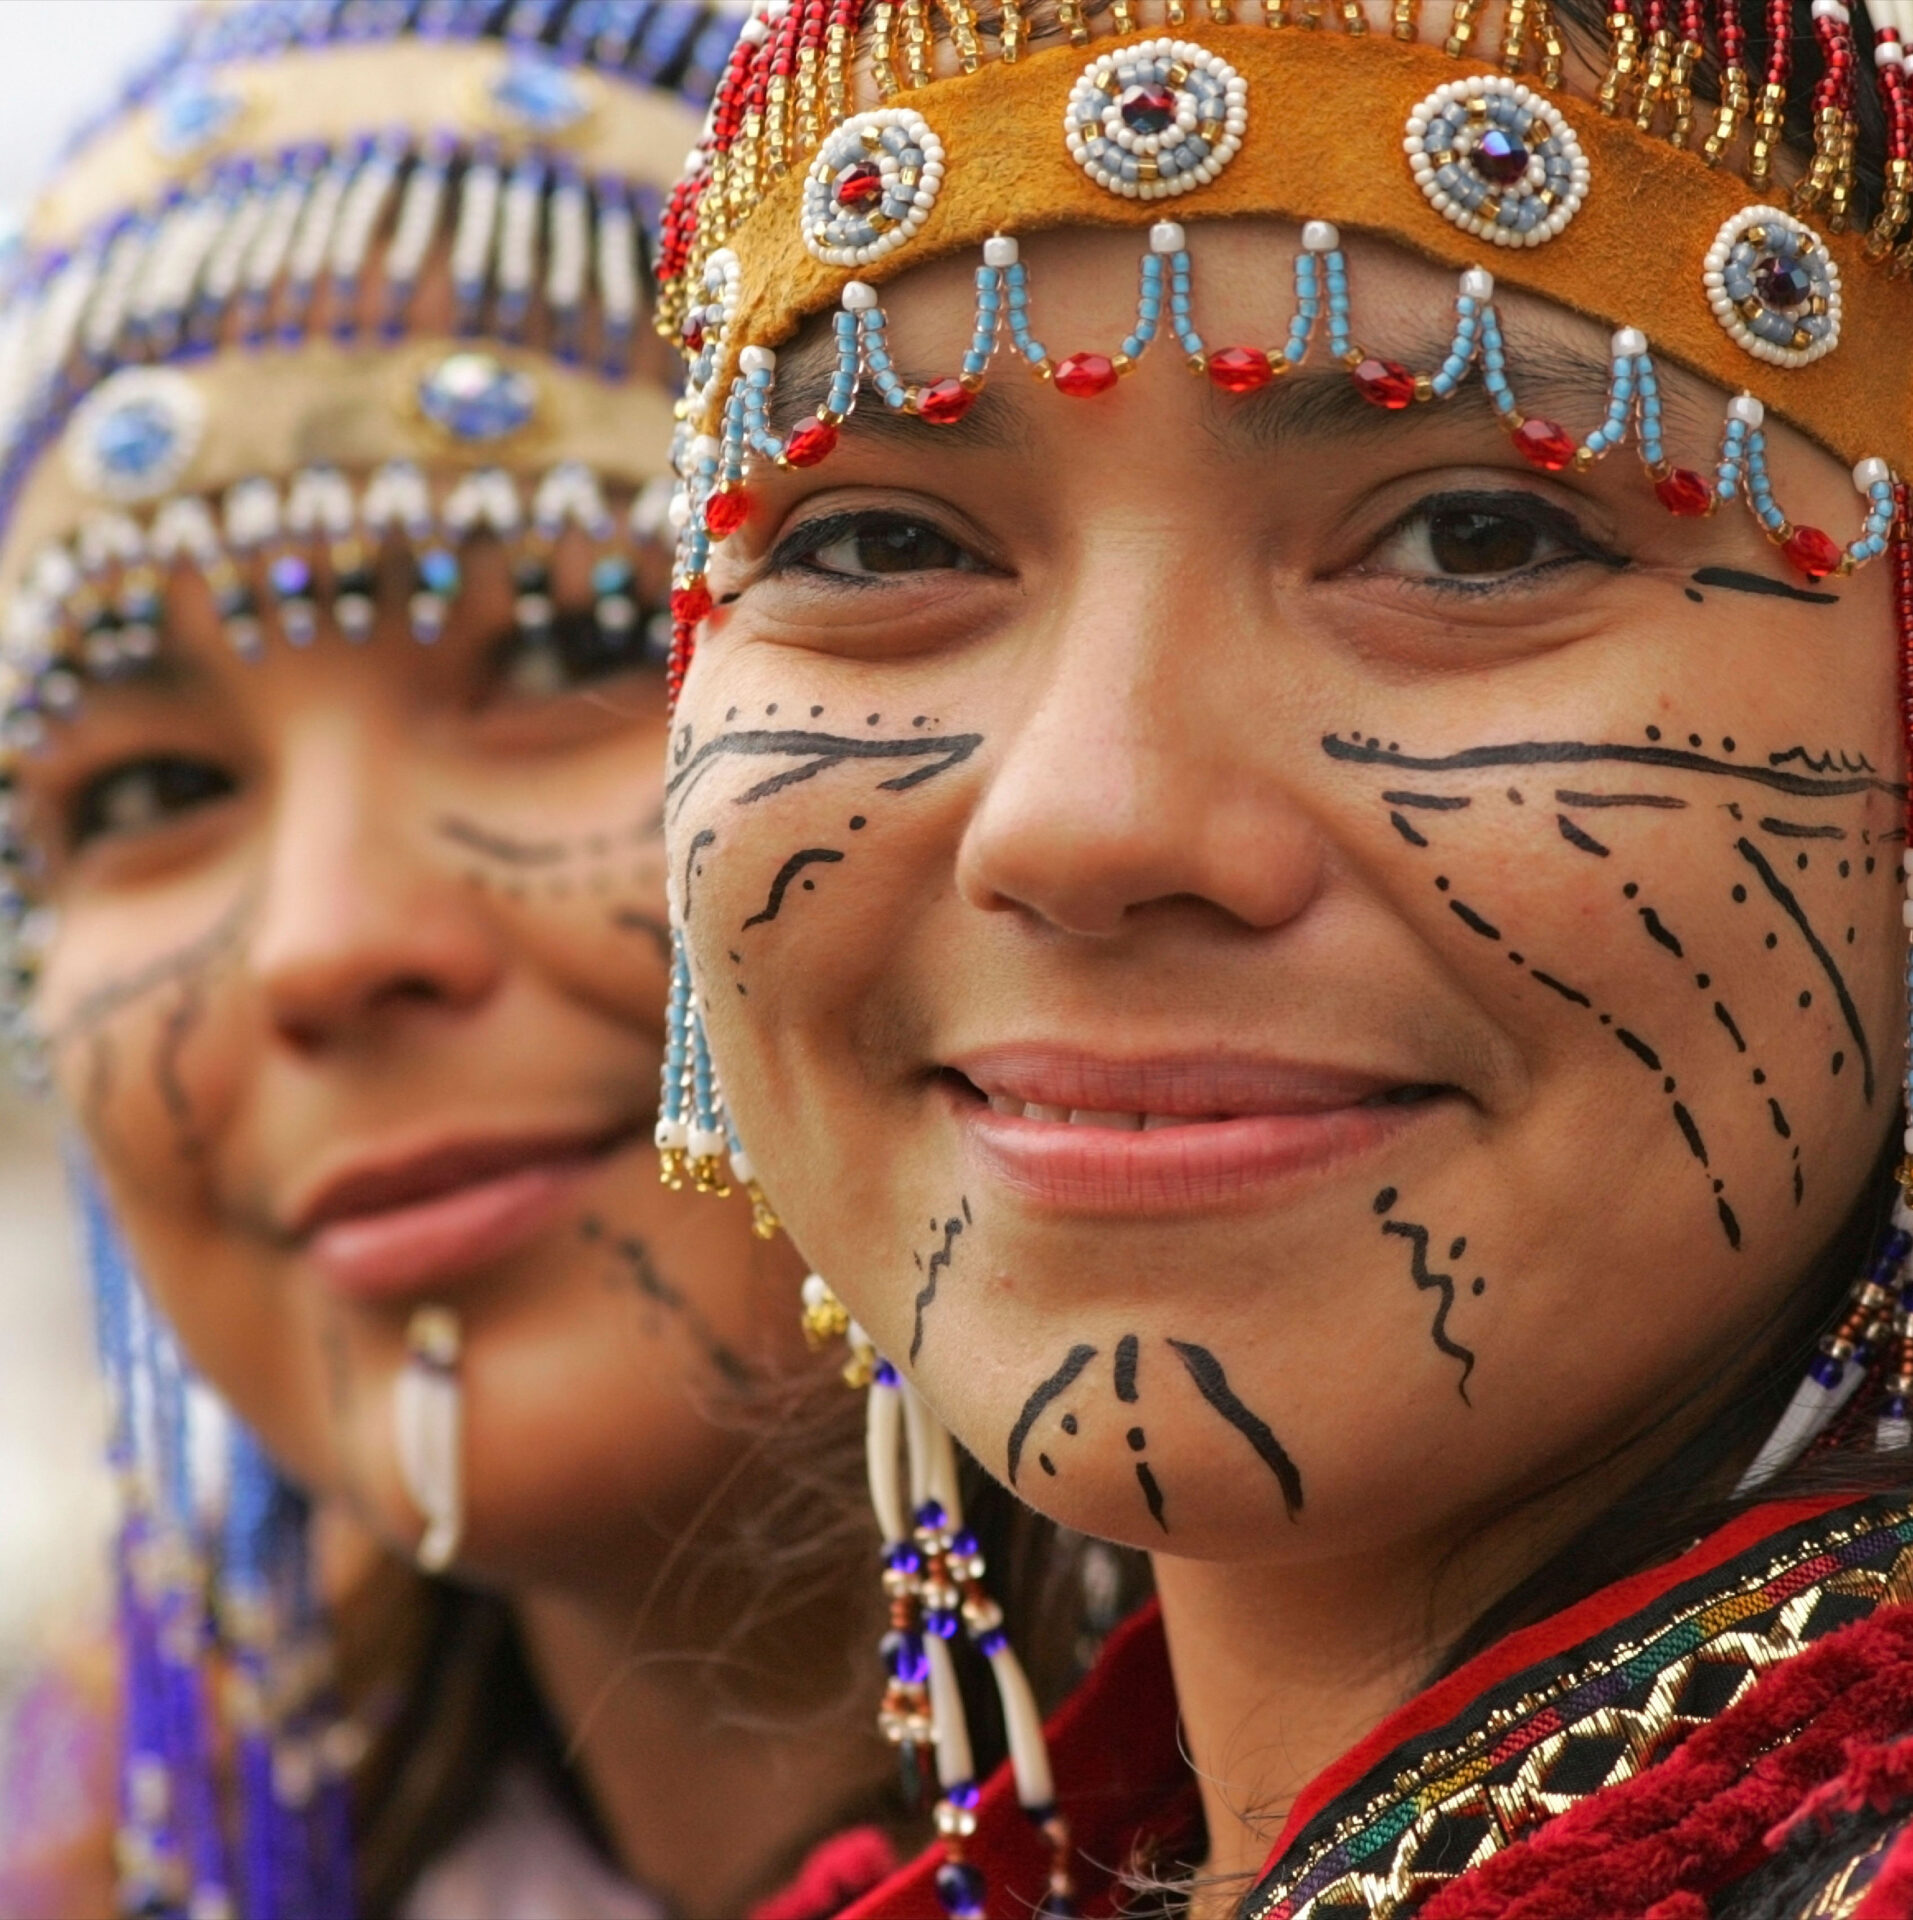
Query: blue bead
475	397
960	1890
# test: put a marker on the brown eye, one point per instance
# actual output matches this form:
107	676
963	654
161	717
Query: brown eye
140	795
869	545
1469	542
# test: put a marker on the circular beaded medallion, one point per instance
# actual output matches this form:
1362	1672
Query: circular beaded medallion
477	397
134	435
871	186
1497	160
529	92
1774	287
193	114
1160	118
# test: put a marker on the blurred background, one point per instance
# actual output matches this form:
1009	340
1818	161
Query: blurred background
62	60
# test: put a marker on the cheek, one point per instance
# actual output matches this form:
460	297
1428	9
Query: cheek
152	1029
810	842
572	869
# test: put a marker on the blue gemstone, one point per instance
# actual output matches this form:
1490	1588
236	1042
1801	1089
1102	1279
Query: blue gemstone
290	577
474	396
904	1654
136	440
942	1623
931	1514
191	114
438	572
538	93
960	1889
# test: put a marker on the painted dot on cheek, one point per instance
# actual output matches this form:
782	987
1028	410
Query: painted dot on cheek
1870	863
1703	981
815	712
1516	958
1047	1464
1800	861
1385	1199
1441	881
1693	739
1846	869
1136	1439
1514	795
1653	733
1806	999
1760	1077
1773	940
1458	1249
1740	894
1630	890
1069	1423
871	719
1839	1061
1727	745
1480	1286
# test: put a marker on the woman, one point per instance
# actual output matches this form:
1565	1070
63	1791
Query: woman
330	546
1309	933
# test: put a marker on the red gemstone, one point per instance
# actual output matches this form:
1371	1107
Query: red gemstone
1084	374
1542	444
1812	552
862	186
693	335
1385	383
815	440
726	511
1685	492
1499	157
945	403
1240	369
1148	109
690	603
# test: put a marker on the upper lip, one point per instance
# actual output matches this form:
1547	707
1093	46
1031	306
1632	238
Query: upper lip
379	1182
1196	1084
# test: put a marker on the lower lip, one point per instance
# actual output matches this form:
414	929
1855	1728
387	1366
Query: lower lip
1167	1170
409	1249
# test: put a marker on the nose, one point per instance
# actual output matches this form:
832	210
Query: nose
1141	774
357	925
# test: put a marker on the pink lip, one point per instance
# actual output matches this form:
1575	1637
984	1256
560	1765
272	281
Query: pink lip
1235	1125
403	1226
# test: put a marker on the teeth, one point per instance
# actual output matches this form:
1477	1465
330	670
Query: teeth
1121	1122
1034	1112
1151	1122
1002	1103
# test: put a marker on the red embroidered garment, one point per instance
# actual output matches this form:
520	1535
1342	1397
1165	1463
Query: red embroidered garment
1722	1738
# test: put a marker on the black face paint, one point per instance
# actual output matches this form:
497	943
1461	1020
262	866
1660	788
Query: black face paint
1427	1281
933	1271
1732	580
636	1268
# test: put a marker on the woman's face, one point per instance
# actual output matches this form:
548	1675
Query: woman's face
1297	974
357	996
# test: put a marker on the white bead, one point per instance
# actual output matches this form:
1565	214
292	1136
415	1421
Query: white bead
1869	473
757	360
1906	863
704	1144
1477	283
1888	54
705	447
1000	251
859	296
670	1136
1906	1140
1165	237
1629	342
1320	236
815	1291
427	1407
1906	913
742	1171
1746	409
678	513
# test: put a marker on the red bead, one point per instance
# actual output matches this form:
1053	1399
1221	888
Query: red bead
1085	374
1240	369
1542	444
690	603
1812	552
1684	492
862	186
693	335
1384	383
726	511
809	443
945	403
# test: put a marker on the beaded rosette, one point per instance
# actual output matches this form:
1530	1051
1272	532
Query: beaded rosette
851	140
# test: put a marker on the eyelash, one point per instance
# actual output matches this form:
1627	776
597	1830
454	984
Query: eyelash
1545	518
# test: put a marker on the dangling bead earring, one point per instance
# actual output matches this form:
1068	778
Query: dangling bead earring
427	1421
933	1580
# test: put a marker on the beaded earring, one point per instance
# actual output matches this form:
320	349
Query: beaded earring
212	1579
427	1430
933	1581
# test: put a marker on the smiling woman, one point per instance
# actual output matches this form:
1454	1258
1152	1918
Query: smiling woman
1365	917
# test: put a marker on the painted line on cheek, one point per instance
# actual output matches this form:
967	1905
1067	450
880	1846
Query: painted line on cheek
1576	838
1059	1382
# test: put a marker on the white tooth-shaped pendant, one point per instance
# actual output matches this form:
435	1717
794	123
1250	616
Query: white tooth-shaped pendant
427	1428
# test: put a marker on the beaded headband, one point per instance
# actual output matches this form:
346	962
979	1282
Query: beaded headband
224	346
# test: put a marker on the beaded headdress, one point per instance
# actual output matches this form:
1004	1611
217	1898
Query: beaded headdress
852	140
332	281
